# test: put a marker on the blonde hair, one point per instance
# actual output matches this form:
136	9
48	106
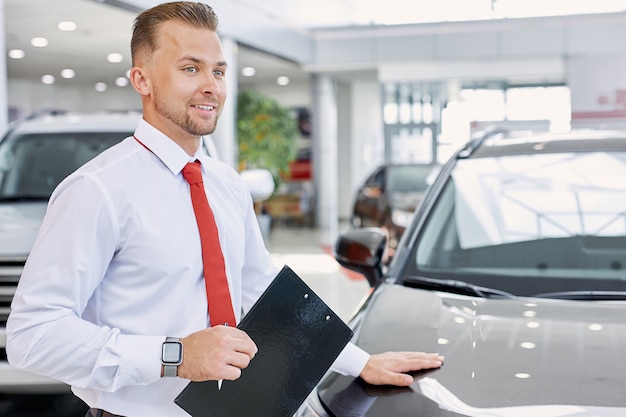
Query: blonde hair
147	24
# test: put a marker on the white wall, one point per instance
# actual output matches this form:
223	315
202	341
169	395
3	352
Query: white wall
26	98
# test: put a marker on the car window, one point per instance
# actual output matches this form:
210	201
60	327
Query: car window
536	217
376	179
32	165
409	178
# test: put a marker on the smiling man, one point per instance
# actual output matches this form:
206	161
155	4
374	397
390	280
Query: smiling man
114	298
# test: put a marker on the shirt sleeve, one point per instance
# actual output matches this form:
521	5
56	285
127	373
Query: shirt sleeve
350	361
45	332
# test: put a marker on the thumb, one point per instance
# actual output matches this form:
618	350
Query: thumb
400	379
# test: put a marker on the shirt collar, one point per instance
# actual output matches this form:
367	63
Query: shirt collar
168	151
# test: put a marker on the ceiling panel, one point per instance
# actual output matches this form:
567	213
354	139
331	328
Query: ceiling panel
102	29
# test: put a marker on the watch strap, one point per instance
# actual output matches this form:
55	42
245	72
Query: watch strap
171	370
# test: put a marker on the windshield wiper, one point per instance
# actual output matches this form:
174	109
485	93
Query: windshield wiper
455	287
17	198
585	295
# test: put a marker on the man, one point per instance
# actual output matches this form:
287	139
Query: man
117	266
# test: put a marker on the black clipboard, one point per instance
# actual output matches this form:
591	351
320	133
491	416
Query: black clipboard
298	336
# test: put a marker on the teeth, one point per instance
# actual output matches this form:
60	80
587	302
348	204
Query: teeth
205	107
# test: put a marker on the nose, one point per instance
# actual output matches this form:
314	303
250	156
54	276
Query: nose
211	85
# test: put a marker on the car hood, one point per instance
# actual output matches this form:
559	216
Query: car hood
19	224
504	358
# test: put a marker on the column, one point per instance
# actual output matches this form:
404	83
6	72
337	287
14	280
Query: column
225	136
325	156
4	101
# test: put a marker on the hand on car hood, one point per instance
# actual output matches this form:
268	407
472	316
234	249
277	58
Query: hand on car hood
19	224
505	356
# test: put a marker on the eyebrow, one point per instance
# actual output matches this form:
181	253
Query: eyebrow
199	60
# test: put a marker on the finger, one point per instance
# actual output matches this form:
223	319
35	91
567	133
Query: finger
237	340
245	346
230	373
413	361
239	360
399	379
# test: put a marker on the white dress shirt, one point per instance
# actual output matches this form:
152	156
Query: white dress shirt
117	267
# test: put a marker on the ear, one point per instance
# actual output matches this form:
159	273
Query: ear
140	81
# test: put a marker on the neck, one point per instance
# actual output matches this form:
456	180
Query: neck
190	143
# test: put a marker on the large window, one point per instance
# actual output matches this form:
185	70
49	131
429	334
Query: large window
426	124
411	114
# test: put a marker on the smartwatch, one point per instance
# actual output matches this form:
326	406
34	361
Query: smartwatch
171	356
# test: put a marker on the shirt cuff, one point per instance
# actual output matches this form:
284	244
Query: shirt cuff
350	361
141	359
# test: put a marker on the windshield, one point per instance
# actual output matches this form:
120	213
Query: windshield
530	224
32	165
409	178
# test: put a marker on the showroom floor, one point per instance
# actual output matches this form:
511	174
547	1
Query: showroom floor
304	250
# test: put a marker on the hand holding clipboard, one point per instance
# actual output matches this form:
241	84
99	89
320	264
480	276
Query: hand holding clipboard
298	337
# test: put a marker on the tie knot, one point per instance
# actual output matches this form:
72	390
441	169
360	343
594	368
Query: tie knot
192	172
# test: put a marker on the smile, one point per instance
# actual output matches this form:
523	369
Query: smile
203	107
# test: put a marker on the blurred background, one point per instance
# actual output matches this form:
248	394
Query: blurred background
367	83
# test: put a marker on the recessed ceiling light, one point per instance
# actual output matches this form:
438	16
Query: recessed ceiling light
47	79
17	54
39	42
67	26
68	73
282	80
100	87
115	57
248	71
121	81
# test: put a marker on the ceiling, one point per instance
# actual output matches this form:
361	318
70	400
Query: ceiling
101	29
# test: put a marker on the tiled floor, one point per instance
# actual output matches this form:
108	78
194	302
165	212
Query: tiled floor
307	252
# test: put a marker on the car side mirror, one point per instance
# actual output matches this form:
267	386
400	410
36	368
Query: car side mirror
260	183
362	251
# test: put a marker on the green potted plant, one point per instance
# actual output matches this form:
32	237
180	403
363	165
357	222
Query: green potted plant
267	136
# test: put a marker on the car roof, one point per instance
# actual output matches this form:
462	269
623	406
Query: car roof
110	122
501	142
78	122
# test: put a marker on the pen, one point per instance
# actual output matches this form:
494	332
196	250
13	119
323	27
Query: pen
219	381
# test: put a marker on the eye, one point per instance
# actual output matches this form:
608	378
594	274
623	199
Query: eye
219	72
191	69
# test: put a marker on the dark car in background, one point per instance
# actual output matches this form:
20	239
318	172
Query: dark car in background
513	268
389	196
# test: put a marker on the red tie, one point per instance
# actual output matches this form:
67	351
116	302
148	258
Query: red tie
218	295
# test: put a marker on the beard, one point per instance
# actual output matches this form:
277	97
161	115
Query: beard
182	119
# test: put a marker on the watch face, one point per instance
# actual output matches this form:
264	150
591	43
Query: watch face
172	352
